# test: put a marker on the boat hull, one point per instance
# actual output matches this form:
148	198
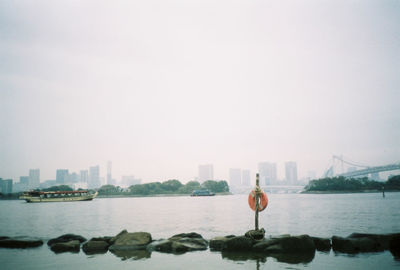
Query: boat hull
88	197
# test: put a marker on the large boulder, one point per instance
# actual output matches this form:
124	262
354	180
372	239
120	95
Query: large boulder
70	246
355	245
66	238
179	243
322	244
237	243
286	244
217	243
95	247
130	241
19	242
394	246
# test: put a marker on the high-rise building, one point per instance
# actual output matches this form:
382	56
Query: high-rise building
206	172
291	172
6	186
267	172
109	178
246	178
61	176
84	176
94	177
235	177
24	180
130	180
34	178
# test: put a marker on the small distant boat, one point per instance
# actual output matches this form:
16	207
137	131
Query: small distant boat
202	192
58	196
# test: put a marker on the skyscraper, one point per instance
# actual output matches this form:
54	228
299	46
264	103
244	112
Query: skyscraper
34	178
206	172
61	176
109	178
235	177
84	176
6	186
267	172
291	172
94	177
246	178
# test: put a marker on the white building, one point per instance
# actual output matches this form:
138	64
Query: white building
34	178
267	172
235	177
206	172
291	172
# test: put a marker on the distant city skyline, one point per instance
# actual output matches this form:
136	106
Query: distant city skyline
228	83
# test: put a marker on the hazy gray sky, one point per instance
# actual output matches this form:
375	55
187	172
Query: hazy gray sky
159	87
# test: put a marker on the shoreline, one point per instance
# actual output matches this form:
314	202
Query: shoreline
345	191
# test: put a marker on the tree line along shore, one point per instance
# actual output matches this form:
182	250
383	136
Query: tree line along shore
167	188
347	185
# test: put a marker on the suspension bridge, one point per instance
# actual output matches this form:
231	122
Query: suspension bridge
357	169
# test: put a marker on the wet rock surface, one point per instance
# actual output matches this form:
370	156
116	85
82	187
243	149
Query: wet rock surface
70	246
66	238
95	246
19	242
180	243
130	241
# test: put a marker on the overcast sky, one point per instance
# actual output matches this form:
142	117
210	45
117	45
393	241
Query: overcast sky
161	86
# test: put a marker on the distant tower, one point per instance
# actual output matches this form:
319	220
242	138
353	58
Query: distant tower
268	174
109	178
291	172
94	177
246	178
235	177
61	176
84	176
34	178
206	172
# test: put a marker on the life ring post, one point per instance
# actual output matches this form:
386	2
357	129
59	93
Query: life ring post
256	199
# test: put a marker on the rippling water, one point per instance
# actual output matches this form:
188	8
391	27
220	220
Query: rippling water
316	215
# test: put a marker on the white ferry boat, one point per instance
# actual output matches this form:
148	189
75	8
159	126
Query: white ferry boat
58	196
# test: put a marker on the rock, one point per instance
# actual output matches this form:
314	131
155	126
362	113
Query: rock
66	238
322	244
394	246
113	239
179	243
355	245
255	234
132	254
20	242
95	247
217	243
285	244
103	238
237	243
71	246
162	245
130	241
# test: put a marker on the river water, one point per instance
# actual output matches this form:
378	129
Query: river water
322	215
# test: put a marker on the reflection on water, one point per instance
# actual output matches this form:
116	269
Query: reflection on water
132	254
291	258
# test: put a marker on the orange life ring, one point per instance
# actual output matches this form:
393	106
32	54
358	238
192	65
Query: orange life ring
262	204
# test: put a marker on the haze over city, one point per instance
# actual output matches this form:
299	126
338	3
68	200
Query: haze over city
160	87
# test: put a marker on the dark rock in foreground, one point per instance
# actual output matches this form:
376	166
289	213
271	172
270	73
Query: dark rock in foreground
70	246
179	243
66	238
19	242
95	246
363	242
322	244
130	241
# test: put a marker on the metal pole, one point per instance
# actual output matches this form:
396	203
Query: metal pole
256	198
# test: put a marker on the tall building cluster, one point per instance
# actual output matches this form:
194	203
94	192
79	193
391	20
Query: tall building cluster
239	177
206	172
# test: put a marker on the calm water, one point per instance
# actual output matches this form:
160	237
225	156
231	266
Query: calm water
316	215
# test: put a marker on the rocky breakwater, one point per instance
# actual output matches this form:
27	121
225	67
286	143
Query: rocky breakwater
285	248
